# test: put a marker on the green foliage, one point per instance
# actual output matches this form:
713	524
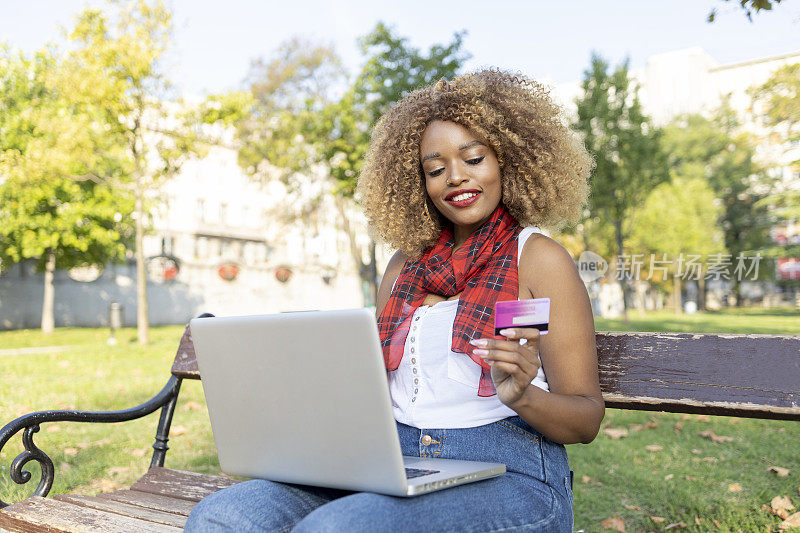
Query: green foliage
296	121
625	145
48	148
680	216
780	95
749	7
80	222
714	150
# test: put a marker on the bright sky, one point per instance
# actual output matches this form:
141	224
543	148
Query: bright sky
549	41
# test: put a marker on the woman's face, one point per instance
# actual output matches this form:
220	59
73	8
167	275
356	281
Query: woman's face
462	175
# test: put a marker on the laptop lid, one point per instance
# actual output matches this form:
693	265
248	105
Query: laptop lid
301	398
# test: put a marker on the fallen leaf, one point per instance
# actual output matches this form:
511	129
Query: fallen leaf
677	427
658	519
698	520
653	448
734	487
70	451
651	425
719	526
118	470
709	434
696	451
631	507
691	478
616	433
680	524
192	406
781	472
780	506
585	479
668	477
139	452
710	459
635	427
177	431
790	522
703	418
615	522
107	485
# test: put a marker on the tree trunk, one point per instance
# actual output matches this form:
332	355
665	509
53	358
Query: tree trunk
48	319
363	270
701	294
624	280
676	295
142	324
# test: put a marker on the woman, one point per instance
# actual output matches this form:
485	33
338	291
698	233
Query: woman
458	178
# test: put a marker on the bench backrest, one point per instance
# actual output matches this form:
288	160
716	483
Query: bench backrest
755	376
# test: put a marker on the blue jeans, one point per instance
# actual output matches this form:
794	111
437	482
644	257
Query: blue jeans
535	494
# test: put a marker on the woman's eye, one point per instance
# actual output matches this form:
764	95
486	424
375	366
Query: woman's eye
436	172
475	160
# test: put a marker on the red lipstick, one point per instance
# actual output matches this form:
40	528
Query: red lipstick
462	203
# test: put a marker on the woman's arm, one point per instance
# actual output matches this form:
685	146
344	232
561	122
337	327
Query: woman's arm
392	271
574	408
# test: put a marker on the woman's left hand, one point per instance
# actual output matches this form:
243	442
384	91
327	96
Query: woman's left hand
514	365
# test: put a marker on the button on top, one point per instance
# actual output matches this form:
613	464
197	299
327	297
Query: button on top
426	440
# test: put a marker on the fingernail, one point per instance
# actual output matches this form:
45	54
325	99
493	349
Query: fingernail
481	353
478	342
506	332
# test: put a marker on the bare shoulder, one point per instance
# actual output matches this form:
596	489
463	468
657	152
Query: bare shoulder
393	269
544	264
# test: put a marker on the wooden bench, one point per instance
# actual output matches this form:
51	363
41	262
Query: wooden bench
716	374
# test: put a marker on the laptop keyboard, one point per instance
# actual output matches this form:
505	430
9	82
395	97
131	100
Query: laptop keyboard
417	472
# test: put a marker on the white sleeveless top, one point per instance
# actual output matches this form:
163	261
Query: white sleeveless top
435	387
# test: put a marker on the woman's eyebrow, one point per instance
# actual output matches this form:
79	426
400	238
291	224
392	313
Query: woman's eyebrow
468	145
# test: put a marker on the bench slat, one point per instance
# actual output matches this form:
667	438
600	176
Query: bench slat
721	374
181	484
151	501
37	514
124	509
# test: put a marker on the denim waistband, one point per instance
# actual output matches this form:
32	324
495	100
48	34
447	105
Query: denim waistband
510	441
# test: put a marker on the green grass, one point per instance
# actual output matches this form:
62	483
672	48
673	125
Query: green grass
688	478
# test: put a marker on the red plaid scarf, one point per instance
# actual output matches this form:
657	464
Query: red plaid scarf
484	268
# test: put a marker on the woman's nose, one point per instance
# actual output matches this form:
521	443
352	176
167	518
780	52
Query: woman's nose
455	179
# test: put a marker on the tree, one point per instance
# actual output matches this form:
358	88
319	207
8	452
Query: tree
749	7
626	147
779	97
49	213
715	148
679	220
297	124
116	65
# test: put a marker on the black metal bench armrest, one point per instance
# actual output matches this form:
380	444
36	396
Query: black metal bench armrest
165	400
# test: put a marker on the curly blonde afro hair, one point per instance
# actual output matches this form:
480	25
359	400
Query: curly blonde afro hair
544	167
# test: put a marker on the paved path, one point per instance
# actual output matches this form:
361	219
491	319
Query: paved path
35	350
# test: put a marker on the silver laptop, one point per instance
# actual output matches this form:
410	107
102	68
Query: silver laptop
303	398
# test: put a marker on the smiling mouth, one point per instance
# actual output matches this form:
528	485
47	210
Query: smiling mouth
463	199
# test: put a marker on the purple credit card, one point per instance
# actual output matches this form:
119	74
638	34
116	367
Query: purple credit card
522	314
